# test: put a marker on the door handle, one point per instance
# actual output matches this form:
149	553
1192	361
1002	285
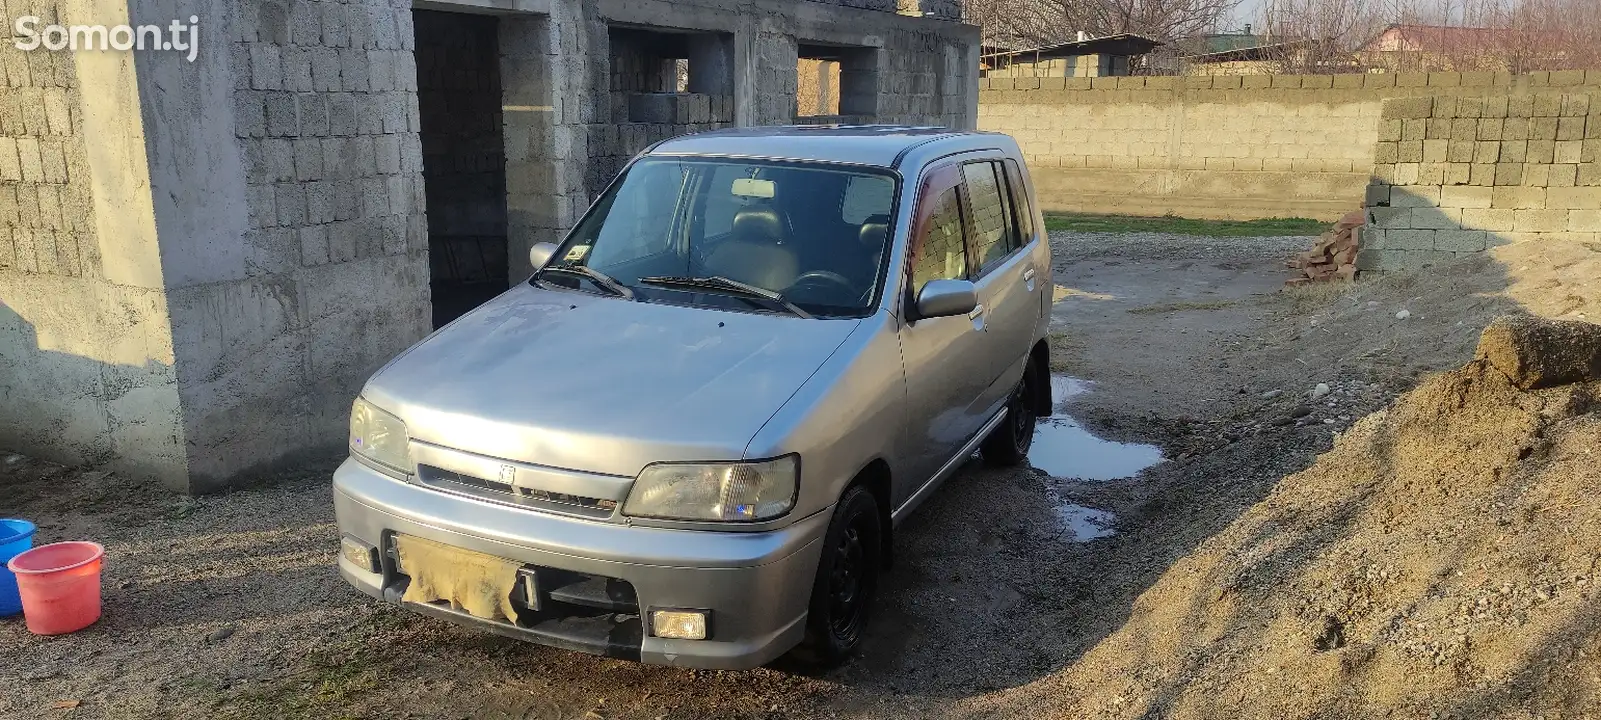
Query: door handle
1028	275
975	312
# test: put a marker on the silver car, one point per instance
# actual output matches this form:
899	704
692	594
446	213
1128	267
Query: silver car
688	437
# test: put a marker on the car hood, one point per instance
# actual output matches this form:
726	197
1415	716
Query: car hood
601	384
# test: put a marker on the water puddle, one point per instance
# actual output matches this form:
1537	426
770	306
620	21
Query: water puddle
1063	448
1083	524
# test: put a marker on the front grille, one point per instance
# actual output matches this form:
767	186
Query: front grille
451	481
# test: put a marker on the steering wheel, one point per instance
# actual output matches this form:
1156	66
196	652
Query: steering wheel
823	280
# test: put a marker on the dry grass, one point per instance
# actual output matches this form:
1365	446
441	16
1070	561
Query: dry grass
1315	296
1181	307
1066	353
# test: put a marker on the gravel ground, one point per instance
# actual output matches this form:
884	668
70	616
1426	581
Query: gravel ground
229	606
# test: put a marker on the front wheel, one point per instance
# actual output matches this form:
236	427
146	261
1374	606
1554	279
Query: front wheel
1008	444
847	581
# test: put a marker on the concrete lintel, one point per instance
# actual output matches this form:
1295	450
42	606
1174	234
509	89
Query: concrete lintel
843	37
665	15
486	7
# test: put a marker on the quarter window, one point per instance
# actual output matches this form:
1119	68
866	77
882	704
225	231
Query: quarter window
1025	213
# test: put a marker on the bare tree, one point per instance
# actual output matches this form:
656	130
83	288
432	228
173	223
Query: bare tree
1312	36
1017	24
1428	35
1041	22
1165	20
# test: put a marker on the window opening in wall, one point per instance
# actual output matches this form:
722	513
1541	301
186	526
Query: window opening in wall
836	84
663	76
663	83
818	87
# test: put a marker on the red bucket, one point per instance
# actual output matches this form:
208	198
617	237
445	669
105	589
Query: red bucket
60	586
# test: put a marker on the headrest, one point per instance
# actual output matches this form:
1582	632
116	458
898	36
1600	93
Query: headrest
759	223
875	230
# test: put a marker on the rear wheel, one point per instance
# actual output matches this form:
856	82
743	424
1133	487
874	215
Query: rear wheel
847	581
1008	443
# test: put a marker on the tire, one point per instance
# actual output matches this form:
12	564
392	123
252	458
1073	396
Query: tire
1008	444
846	583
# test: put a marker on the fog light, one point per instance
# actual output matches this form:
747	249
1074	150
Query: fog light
359	554
678	624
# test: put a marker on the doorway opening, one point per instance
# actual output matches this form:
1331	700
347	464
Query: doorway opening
464	159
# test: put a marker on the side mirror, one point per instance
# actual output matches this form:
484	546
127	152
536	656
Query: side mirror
944	298
540	254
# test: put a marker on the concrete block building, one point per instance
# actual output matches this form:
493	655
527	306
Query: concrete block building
201	261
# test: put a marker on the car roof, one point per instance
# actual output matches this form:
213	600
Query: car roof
881	145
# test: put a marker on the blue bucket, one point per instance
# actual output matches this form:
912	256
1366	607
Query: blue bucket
15	537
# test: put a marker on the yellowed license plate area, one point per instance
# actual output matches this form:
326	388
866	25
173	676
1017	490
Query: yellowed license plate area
480	584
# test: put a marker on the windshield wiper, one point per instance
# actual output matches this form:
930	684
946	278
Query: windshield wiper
597	277
733	287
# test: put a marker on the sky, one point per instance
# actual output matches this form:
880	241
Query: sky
1246	13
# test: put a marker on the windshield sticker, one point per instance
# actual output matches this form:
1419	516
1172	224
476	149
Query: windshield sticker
576	253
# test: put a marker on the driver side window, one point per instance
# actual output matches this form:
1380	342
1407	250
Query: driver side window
939	252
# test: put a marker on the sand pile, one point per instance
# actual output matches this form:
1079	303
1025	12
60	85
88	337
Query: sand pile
1440	561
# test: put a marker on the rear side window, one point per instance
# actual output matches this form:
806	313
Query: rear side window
994	236
1020	204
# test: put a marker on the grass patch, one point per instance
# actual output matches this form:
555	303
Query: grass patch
1271	227
1181	307
327	684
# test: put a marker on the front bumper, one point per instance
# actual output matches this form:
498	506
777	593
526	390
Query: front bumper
756	584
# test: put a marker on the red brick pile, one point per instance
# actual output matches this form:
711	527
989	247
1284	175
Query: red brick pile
1334	255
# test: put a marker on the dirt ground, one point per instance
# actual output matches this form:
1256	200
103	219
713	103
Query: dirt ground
229	606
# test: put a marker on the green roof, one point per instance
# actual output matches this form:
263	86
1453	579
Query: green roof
1226	43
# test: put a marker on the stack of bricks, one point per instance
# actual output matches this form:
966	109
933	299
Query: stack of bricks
1334	255
46	215
1458	175
325	106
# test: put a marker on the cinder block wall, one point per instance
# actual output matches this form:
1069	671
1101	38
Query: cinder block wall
279	312
1457	175
200	262
87	371
1222	147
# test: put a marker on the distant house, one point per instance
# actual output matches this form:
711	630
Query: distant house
1085	57
1223	42
1434	47
1262	58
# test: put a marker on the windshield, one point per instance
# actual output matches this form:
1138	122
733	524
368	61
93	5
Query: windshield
816	235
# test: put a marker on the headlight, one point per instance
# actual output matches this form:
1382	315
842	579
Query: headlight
742	491
378	436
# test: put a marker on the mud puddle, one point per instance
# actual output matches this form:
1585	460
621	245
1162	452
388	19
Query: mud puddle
1083	524
1063	448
